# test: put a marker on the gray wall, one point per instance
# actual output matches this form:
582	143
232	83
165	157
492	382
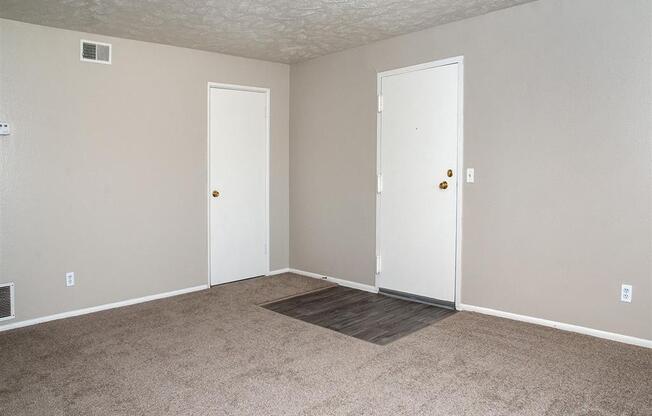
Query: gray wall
558	125
105	171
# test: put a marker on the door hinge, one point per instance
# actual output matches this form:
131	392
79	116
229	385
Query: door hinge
380	103
378	264
379	183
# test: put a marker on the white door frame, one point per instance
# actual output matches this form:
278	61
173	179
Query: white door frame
266	91
460	160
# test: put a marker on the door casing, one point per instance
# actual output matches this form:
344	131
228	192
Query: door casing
460	160
266	91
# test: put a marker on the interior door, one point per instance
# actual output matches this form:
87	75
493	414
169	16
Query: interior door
238	143
419	175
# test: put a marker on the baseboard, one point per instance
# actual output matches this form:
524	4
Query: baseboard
341	282
559	325
99	308
278	271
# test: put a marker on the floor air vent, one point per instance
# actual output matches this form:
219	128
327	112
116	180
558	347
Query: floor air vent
6	301
95	52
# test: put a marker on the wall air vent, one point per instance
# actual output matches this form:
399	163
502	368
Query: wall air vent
95	52
6	301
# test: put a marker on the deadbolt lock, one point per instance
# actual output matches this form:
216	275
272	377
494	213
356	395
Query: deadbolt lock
449	173
216	194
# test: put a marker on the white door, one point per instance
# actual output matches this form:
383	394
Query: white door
417	201
238	146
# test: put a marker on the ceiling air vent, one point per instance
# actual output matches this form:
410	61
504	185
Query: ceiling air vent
6	301
95	52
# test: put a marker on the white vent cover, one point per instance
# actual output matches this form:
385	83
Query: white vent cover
98	52
6	301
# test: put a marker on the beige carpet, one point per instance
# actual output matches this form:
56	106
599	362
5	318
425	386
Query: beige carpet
216	353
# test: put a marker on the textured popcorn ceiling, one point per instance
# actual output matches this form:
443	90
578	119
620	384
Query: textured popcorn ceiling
275	30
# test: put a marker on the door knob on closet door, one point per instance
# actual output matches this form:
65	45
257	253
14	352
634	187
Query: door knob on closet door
216	194
443	185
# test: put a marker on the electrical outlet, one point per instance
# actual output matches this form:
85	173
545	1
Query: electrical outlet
70	279
626	293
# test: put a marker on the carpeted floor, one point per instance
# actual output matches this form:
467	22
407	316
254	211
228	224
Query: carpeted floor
216	353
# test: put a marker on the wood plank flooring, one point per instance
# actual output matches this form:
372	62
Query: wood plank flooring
371	317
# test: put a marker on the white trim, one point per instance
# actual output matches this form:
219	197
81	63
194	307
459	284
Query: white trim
278	271
99	308
341	282
81	52
267	93
419	67
559	325
459	60
459	182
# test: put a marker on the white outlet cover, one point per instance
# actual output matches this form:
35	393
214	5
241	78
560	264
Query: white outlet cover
4	128
470	175
626	293
70	279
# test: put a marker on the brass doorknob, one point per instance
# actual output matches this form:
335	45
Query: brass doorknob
216	194
443	185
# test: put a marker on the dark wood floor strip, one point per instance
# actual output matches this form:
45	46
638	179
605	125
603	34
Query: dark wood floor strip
368	316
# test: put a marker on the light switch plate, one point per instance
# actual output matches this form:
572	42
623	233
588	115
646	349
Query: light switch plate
4	128
470	175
